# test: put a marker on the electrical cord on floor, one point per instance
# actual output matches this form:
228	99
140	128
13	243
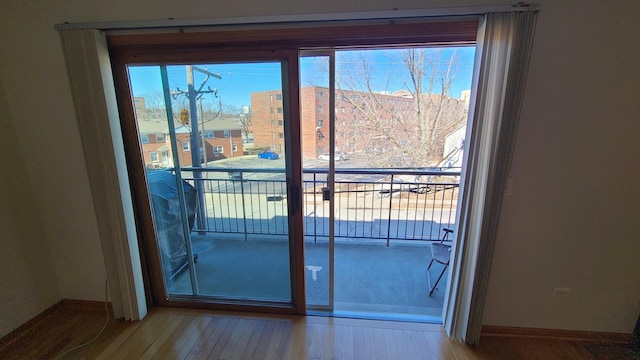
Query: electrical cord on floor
106	308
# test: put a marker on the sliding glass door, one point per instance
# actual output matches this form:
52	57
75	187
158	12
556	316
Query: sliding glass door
225	121
383	133
214	146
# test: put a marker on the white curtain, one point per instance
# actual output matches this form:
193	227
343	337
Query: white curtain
91	80
502	56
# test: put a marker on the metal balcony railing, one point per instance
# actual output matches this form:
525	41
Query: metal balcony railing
376	204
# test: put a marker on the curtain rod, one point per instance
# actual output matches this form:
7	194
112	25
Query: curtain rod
303	18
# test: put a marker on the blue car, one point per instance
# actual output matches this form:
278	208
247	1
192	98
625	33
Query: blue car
269	155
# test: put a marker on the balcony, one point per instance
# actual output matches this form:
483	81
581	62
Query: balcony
385	223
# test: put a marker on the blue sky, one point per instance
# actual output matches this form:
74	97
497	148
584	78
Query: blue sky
240	79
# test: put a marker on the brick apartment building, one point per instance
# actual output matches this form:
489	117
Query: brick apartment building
220	139
267	120
373	124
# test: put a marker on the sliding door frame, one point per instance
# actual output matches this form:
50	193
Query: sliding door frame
154	282
280	44
331	56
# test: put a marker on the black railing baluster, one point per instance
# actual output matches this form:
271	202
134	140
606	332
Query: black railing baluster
390	207
415	205
223	216
260	207
315	210
244	211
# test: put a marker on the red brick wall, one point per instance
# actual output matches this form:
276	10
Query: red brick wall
267	128
309	102
226	143
151	147
184	157
268	123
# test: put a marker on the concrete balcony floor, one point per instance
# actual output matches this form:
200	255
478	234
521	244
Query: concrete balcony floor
370	278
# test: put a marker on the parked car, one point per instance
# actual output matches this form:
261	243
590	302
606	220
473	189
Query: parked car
269	155
235	175
340	156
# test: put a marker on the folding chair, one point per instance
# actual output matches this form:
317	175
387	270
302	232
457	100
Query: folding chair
440	253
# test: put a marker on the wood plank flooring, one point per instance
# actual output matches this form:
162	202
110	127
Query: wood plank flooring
194	334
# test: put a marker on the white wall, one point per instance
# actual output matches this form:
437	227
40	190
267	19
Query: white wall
573	218
38	92
28	283
570	221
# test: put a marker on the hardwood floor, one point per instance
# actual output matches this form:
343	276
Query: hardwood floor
194	334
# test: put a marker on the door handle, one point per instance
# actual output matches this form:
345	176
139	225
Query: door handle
326	194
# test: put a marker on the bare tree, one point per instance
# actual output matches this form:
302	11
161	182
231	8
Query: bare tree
154	107
400	126
212	111
246	123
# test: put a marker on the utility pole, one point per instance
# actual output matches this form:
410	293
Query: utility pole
193	110
204	143
192	94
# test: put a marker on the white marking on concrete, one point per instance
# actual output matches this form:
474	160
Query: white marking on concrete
314	271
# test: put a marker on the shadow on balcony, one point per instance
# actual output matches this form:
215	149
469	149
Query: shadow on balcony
369	276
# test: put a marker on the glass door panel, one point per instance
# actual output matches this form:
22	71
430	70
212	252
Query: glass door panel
383	135
400	118
212	138
315	110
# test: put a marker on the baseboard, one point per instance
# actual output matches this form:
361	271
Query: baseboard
86	304
24	329
576	335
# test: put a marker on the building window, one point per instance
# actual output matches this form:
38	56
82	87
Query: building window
234	148
273	135
144	138
342	110
320	94
159	137
218	149
271	110
279	122
320	123
320	110
153	156
227	133
273	122
281	135
186	146
208	134
279	110
278	96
